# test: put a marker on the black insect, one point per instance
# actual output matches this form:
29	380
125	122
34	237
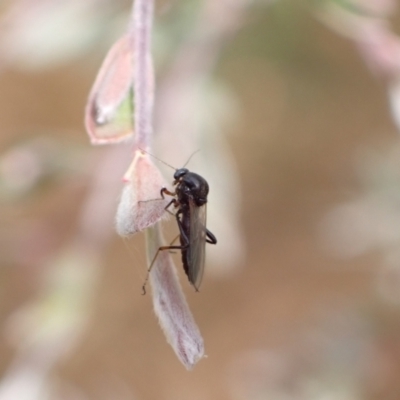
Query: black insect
190	203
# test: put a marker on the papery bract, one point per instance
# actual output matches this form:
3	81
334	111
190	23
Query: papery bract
110	107
170	305
141	204
109	111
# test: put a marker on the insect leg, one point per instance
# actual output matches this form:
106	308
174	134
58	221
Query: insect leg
184	245
166	191
210	238
175	203
174	240
177	236
162	191
162	248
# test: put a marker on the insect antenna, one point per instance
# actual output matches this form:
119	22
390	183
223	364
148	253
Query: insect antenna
159	159
187	162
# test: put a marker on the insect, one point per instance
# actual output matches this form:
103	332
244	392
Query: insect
190	202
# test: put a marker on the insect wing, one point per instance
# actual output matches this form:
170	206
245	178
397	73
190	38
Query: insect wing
197	243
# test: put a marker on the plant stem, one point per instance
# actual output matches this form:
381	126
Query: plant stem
142	19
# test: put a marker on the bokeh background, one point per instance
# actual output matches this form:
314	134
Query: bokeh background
311	308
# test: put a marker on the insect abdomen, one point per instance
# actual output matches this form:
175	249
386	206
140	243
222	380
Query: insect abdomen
185	241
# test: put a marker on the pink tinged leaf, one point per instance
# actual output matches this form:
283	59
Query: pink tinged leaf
170	305
109	110
141	204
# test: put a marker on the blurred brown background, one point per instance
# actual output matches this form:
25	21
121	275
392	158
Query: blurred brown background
299	319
